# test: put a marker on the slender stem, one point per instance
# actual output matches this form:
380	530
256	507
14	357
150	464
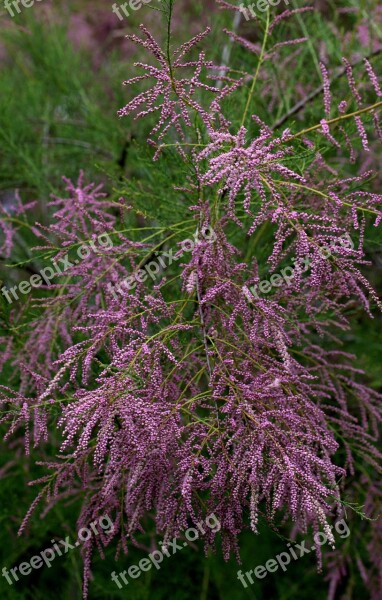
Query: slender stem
322	194
203	326
206	577
169	19
257	70
309	42
181	144
338	119
302	103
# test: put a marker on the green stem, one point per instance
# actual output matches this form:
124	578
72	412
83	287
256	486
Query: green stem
169	19
257	70
338	119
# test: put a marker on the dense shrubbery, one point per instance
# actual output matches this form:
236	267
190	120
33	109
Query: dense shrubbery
185	394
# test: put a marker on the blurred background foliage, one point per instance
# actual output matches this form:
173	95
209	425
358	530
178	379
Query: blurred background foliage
60	88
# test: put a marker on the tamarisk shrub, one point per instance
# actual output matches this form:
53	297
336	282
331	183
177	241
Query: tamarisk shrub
180	400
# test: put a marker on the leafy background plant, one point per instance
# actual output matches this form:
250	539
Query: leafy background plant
58	105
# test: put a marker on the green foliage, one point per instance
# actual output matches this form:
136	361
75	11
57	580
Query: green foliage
58	115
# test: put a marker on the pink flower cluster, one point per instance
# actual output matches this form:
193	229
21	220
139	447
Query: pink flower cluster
202	402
